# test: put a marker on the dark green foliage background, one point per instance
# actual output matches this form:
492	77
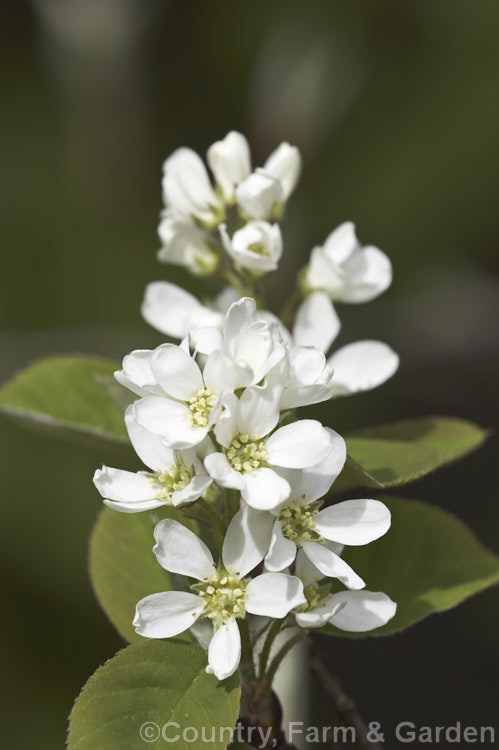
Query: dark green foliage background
394	106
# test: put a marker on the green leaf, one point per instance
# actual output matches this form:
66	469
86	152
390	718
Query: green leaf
429	561
64	393
400	452
146	686
123	568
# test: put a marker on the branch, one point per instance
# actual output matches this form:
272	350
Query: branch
343	704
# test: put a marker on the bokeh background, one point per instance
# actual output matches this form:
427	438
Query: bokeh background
395	108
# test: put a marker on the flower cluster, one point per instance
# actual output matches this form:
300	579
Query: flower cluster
214	416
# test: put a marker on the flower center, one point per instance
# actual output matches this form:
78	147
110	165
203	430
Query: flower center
259	249
172	480
224	596
316	595
246	454
297	523
200	407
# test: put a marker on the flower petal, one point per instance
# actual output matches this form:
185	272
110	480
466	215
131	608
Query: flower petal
170	419
258	411
178	550
150	448
169	308
362	610
317	323
258	194
368	273
224	651
192	491
362	366
176	372
353	522
123	486
285	164
274	594
281	552
207	340
230	162
331	565
316	618
167	614
298	445
136	373
263	489
247	540
221	471
220	373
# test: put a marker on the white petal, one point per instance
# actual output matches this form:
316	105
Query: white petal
221	471
170	419
239	316
263	489
207	340
230	162
281	552
185	244
176	372
150	448
226	426
285	164
332	566
298	445
274	594
178	550
362	366
342	243
202	630
353	522
363	610
136	373
194	489
368	273
317	323
220	373
224	652
247	540
316	618
169	308
186	185
123	486
306	570
134	506
258	194
313	483
258	411
167	614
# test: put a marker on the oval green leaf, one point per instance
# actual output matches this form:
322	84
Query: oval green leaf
129	700
395	454
64	393
123	568
429	561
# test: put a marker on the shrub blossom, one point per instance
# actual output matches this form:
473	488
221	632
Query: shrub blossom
213	416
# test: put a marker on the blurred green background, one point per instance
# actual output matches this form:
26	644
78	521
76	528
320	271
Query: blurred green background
395	108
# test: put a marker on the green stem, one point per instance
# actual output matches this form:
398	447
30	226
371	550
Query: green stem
234	280
269	640
216	523
246	650
288	311
283	651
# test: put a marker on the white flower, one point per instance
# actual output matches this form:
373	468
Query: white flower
300	524
352	611
251	343
260	195
285	165
187	189
178	476
252	458
230	162
175	312
305	376
257	246
359	366
346	270
224	594
191	399
184	244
